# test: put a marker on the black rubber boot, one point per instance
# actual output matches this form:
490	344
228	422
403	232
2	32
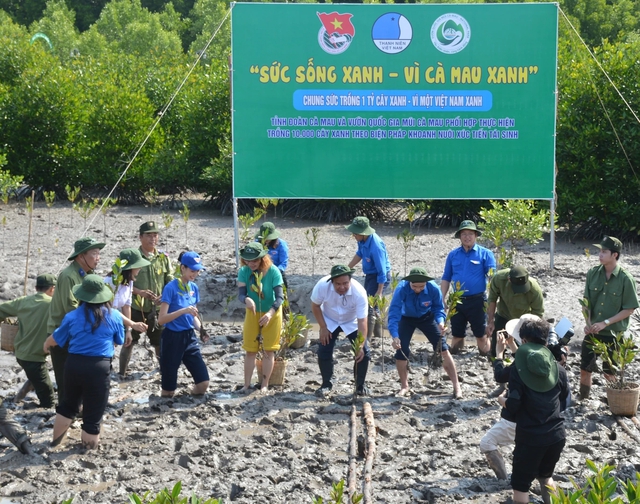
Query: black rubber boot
125	357
585	391
360	375
10	429
326	371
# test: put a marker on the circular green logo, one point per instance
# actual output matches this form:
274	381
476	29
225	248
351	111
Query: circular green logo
450	33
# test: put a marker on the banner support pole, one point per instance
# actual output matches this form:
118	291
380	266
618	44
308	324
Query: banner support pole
236	234
552	234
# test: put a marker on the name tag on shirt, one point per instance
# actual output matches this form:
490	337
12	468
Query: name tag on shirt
474	262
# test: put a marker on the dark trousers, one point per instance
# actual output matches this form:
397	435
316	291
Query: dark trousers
180	347
38	375
154	333
531	462
58	360
325	359
499	324
471	311
429	328
86	383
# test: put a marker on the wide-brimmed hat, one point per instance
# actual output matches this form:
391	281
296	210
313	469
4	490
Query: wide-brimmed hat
253	251
192	261
46	280
513	326
134	259
84	244
418	275
537	367
93	290
360	225
609	243
340	270
149	227
268	232
519	277
467	224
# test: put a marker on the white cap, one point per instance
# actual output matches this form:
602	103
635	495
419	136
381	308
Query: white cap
514	325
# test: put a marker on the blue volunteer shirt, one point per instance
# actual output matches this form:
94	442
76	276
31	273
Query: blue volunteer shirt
375	259
177	299
75	329
280	255
407	303
471	268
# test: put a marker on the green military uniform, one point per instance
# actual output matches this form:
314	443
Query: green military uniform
606	299
510	304
153	278
33	313
10	429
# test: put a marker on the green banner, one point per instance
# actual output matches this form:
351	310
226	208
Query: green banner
440	101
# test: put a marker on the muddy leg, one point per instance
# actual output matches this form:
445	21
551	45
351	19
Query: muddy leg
60	428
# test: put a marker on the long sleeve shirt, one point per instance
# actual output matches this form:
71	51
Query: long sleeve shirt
63	301
406	303
511	305
375	259
33	315
280	254
153	277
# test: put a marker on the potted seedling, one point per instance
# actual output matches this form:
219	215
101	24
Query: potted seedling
294	329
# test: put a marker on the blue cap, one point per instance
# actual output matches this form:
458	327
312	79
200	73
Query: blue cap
192	261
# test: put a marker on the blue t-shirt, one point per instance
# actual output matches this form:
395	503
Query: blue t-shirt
76	330
280	255
407	303
471	268
375	259
177	299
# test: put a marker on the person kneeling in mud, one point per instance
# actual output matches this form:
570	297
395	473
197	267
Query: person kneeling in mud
10	429
417	304
538	391
503	432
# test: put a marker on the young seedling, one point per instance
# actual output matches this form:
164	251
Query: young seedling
151	197
72	194
167	220
228	301
116	273
8	183
312	235
356	346
623	353
107	203
85	209
586	311
406	238
380	307
185	212
337	494
49	198
257	288
248	220
266	202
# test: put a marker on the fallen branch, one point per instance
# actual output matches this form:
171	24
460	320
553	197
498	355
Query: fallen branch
371	451
351	476
626	429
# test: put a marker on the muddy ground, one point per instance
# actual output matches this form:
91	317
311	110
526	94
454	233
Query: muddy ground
288	446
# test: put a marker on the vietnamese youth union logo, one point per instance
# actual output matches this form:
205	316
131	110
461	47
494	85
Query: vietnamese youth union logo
450	33
336	32
392	33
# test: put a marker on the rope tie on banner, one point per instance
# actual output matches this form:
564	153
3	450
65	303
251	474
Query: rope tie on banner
604	72
165	108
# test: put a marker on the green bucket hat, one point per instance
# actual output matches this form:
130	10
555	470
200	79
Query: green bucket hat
253	251
83	245
360	225
46	280
93	290
268	232
418	275
340	270
134	259
609	243
149	227
519	277
537	367
467	224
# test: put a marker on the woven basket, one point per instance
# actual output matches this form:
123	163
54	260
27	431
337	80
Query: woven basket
7	336
300	341
624	401
278	374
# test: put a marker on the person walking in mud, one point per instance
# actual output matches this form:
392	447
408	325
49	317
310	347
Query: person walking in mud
179	316
147	289
417	304
85	259
538	392
121	283
469	266
610	291
375	265
10	429
260	290
339	304
90	332
33	313
277	248
511	294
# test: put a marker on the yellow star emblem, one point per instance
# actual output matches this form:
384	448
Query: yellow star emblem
336	24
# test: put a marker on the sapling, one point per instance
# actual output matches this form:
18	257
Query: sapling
167	220
49	198
248	220
8	183
337	494
72	194
380	307
618	356
185	212
356	346
151	197
228	301
85	209
107	203
406	238
266	202
312	235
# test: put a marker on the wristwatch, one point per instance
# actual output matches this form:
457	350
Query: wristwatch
607	322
